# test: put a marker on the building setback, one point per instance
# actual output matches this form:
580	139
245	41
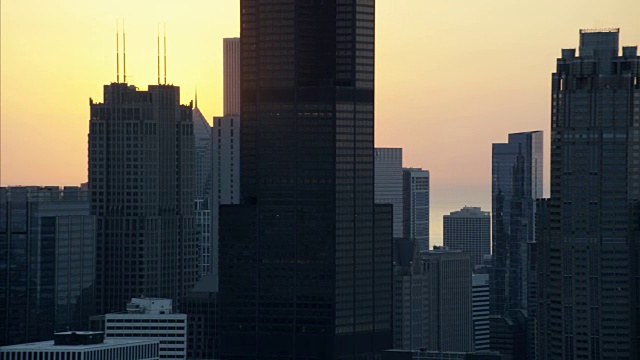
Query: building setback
588	287
47	262
388	183
306	257
468	230
415	203
142	183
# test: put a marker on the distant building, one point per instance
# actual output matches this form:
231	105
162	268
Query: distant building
151	319
447	277
142	183
201	307
415	206
203	155
225	136
480	304
468	230
231	78
47	262
388	183
83	345
395	354
516	184
409	296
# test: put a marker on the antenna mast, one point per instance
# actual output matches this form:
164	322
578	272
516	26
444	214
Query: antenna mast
165	53
124	53
158	53
117	53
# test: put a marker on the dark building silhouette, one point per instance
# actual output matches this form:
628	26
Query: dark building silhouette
47	262
142	183
508	334
516	184
201	307
589	304
306	257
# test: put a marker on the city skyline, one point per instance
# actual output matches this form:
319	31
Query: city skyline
418	93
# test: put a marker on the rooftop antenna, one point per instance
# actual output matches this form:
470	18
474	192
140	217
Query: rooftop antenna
165	53
158	53
117	53
124	53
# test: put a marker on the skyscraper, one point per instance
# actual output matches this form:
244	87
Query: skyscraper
231	78
415	203
305	259
447	278
588	288
468	230
480	283
516	184
388	183
225	137
47	262
141	177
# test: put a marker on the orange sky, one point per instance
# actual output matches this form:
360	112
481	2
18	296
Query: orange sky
452	77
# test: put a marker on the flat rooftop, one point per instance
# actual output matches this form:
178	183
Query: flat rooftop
49	346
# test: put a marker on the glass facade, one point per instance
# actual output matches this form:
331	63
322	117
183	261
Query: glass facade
305	268
47	262
516	184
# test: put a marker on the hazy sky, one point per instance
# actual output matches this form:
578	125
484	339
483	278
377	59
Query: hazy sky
452	77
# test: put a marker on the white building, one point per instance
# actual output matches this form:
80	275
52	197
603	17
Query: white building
151	319
83	345
480	303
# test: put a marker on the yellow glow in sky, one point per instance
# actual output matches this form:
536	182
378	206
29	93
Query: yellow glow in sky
452	76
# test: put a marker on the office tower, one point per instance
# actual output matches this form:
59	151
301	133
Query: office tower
151	319
231	78
142	181
305	258
204	182
516	184
388	183
415	203
447	274
480	291
588	276
47	257
201	307
203	155
225	137
468	229
408	296
83	345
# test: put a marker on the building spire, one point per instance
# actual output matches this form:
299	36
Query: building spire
196	97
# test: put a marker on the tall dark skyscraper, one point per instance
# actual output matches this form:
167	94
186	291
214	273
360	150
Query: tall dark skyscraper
305	259
588	283
517	183
141	177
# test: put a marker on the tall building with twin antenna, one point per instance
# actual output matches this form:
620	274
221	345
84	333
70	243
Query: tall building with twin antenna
142	183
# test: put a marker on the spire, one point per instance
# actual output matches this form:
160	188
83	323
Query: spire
196	97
